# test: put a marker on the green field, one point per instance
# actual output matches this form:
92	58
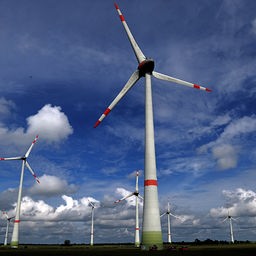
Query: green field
114	250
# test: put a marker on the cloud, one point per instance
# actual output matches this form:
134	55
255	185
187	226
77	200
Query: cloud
6	107
228	145
72	210
239	202
52	186
51	123
226	156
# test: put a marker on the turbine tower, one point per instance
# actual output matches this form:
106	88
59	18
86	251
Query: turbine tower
137	195
151	227
230	218
168	213
8	220
15	233
92	221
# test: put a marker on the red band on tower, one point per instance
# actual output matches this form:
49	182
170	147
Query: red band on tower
150	183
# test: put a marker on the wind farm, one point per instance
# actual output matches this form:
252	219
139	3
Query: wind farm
63	65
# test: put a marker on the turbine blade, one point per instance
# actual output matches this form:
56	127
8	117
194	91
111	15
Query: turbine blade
92	205
175	216
132	80
30	148
162	214
140	197
11	158
125	197
178	81
138	53
32	172
225	219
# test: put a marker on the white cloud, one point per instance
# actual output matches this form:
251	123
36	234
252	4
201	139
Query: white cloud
6	107
72	210
240	202
226	156
50	123
52	186
226	148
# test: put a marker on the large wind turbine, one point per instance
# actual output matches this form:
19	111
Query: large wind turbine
137	195
151	228
8	220
15	233
168	213
230	218
92	223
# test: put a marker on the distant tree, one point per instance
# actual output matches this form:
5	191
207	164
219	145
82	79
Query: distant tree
67	243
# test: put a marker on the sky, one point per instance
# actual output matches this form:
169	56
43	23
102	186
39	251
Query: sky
63	62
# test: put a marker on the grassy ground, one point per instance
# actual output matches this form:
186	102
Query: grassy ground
193	250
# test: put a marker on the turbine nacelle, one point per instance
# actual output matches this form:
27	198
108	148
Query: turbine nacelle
146	67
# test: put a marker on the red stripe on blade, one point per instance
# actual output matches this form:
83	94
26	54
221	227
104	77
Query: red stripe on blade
107	111
197	86
208	90
17	221
150	183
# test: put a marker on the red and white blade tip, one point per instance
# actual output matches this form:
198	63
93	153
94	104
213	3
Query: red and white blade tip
197	86
117	201
36	138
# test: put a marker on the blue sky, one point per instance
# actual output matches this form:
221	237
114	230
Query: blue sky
63	62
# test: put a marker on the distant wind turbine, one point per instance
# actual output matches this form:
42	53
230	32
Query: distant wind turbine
230	218
15	233
137	195
92	221
168	213
8	220
151	228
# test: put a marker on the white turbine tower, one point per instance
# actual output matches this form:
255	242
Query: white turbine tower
168	213
92	221
137	195
15	233
151	228
8	220
230	218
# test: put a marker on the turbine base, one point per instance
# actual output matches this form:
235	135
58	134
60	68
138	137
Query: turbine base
152	240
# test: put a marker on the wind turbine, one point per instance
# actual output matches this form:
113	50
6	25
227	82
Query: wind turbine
8	220
230	218
151	228
92	224
137	195
168	213
15	233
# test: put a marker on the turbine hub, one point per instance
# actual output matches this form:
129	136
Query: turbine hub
146	66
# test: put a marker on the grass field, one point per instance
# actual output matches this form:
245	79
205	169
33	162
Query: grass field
122	250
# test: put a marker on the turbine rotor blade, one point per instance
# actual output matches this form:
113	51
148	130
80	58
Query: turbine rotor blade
140	197
32	172
138	53
178	81
30	148
132	80
11	158
225	219
90	203
162	214
125	197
